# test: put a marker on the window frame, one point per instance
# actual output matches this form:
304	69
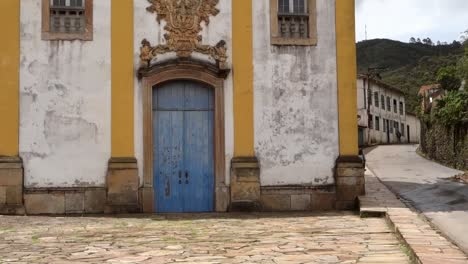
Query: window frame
376	100
382	101
401	108
87	35
277	40
377	123
389	104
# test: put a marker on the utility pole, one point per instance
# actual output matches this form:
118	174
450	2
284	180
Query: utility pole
366	31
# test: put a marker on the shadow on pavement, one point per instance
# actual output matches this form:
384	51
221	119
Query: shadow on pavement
441	196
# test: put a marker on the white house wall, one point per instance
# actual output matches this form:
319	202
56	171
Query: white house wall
65	103
146	26
295	102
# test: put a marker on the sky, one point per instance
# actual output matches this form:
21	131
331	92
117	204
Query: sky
440	20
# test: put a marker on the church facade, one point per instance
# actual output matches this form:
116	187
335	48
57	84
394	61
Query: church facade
161	106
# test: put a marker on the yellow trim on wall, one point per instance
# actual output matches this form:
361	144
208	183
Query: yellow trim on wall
346	71
9	77
122	78
242	60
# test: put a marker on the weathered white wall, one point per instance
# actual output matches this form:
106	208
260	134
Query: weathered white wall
146	26
65	103
380	136
296	114
415	128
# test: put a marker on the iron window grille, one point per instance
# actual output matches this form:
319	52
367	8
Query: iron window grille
67	16
293	19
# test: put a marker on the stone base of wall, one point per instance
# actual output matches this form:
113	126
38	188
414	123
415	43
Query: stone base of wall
349	181
297	198
245	184
65	201
124	195
11	185
123	186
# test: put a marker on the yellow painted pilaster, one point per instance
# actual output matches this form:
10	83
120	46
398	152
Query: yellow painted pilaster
242	60
122	78
347	71
9	77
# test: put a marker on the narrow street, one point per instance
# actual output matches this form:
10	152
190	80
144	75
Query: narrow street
424	185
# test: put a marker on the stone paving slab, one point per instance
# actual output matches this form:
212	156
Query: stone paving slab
426	245
333	237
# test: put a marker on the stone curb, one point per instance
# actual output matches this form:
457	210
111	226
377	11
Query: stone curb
425	245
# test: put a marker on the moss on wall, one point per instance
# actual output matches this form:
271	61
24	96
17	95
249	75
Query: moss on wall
447	145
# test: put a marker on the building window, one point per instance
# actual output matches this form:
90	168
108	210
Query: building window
376	99
384	125
395	106
377	122
397	126
371	121
391	126
389	107
382	101
67	19
402	129
293	22
401	108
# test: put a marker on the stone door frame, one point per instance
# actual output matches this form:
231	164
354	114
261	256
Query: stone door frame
192	70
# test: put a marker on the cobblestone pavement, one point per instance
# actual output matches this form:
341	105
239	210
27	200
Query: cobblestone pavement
334	237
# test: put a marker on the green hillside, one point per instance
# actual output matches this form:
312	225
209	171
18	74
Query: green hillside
408	66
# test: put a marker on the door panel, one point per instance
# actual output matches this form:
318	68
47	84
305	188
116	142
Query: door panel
183	147
198	154
169	161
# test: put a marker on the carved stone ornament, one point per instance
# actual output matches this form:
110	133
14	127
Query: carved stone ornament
183	25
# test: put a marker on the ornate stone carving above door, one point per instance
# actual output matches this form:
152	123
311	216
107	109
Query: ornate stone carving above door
183	26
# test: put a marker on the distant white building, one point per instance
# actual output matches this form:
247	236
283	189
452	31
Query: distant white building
382	114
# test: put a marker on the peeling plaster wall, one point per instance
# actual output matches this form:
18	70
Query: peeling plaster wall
219	28
65	103
296	115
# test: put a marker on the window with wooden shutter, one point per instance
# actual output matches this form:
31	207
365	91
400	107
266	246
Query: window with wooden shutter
293	22
67	19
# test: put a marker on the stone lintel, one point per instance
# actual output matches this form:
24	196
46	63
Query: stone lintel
349	162
123	163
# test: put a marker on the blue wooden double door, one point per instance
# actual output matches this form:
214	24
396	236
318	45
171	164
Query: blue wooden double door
183	116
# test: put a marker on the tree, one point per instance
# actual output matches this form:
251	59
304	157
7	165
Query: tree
427	41
418	40
448	78
412	40
452	109
438	43
463	66
464	37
